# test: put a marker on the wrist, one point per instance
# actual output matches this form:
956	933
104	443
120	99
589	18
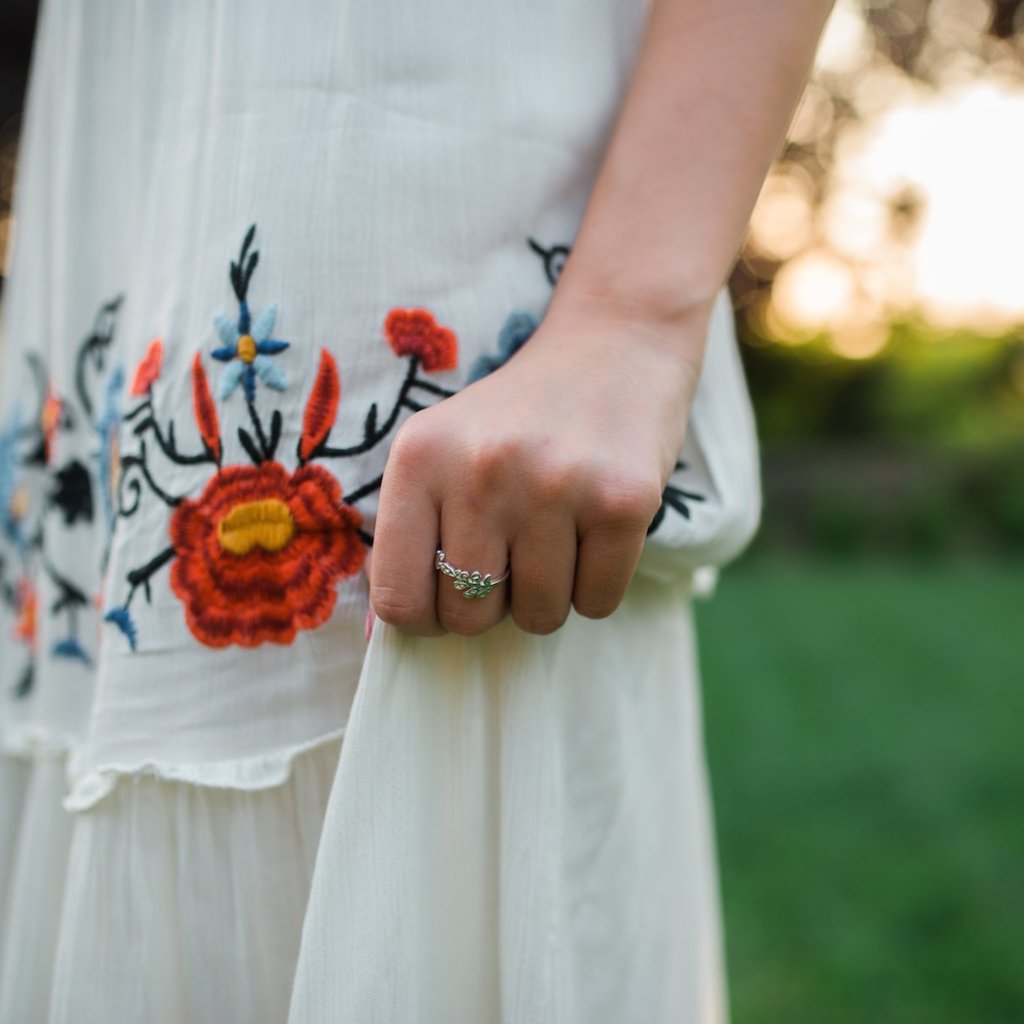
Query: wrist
667	337
637	292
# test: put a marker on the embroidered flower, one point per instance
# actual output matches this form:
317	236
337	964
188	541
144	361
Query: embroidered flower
26	605
321	406
13	499
148	368
259	554
415	332
515	333
247	350
121	618
50	421
70	647
72	492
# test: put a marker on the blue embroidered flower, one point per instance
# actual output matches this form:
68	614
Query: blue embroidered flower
247	350
69	647
515	333
121	618
11	514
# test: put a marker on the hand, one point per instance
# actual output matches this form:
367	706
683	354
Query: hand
552	466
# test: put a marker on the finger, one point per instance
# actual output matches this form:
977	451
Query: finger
473	547
403	585
543	568
605	563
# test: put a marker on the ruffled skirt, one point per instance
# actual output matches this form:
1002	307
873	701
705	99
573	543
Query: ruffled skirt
517	830
165	903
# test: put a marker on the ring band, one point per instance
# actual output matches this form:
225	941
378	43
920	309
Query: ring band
472	584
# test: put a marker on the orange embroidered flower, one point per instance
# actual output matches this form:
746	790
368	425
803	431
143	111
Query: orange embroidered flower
260	553
415	332
51	416
27	605
149	368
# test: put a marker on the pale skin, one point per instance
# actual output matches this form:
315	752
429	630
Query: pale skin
554	464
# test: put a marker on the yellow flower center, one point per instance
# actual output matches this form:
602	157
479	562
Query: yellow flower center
247	348
266	523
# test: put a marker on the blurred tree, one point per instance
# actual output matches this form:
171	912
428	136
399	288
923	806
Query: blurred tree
825	274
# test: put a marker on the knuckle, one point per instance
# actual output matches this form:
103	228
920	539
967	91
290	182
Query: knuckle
541	623
464	623
624	503
412	444
491	461
551	487
390	606
596	607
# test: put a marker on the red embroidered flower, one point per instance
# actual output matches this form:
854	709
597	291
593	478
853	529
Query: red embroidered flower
260	552
27	605
149	368
415	332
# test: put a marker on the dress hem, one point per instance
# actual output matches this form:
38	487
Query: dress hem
33	743
265	771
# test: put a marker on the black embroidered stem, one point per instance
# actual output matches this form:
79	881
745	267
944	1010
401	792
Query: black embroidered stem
93	348
361	492
146	403
242	271
39	375
250	446
135	487
139	461
554	259
674	497
70	596
167	444
372	437
434	389
24	687
275	433
142	575
260	436
677	498
8	593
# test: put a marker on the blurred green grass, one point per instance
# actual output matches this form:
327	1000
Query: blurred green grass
864	736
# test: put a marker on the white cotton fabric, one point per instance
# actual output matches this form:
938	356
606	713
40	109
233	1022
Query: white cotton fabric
436	156
31	921
519	832
184	903
14	777
388	159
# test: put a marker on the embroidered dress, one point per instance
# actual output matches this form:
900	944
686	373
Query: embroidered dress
251	241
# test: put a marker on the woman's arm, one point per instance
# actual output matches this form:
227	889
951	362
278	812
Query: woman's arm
555	463
710	99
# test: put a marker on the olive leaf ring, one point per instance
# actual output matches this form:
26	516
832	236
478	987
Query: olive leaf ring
472	584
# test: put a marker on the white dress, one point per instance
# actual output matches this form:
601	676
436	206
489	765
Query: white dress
251	241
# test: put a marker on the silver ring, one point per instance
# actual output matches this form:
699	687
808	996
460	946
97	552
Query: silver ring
472	584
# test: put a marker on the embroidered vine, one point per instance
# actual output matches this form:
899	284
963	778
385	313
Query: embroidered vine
520	326
21	458
35	484
257	555
255	548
